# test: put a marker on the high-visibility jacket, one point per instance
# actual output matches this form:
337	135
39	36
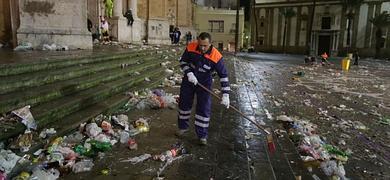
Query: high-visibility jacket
202	65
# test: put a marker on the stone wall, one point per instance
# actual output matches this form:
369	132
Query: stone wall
54	21
158	31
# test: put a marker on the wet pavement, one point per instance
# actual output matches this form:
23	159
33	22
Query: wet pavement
350	109
238	150
265	86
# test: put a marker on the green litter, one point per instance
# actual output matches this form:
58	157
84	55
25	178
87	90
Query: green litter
334	150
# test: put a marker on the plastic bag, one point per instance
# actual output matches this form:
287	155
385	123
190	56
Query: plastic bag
8	160
93	130
138	159
83	166
42	174
26	116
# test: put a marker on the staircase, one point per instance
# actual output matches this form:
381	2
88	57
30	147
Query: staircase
65	92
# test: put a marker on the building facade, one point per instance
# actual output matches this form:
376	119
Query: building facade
329	30
221	24
65	22
225	4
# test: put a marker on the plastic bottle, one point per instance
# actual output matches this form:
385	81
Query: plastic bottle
100	146
334	150
124	137
80	149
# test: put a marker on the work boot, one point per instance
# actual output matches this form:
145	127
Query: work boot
181	132
203	141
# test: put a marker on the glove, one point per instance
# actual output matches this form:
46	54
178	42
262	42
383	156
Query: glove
225	100
192	78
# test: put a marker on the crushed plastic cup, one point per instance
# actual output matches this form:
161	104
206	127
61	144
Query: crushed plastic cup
345	63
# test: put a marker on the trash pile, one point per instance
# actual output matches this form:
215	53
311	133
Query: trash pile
24	116
156	99
73	153
177	151
349	110
54	47
24	46
313	148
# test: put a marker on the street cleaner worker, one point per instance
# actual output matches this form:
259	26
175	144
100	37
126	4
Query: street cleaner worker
198	62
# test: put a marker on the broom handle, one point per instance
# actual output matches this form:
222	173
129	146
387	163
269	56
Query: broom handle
235	109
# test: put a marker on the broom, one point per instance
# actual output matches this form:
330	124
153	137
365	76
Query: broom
270	142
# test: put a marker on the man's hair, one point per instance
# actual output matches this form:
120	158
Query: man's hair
204	35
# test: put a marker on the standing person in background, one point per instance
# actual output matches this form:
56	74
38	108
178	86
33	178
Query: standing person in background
105	27
188	37
324	59
356	58
176	36
171	36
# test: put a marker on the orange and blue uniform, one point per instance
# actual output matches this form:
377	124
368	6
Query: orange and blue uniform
202	65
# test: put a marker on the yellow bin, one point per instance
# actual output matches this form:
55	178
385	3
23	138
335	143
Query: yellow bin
345	64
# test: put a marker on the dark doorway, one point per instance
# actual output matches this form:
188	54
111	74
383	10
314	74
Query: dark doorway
323	44
220	46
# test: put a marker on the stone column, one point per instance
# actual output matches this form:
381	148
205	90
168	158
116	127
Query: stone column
134	8
137	24
117	8
119	29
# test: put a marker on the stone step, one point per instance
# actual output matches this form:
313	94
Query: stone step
68	104
51	111
108	106
34	96
45	64
71	122
14	82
